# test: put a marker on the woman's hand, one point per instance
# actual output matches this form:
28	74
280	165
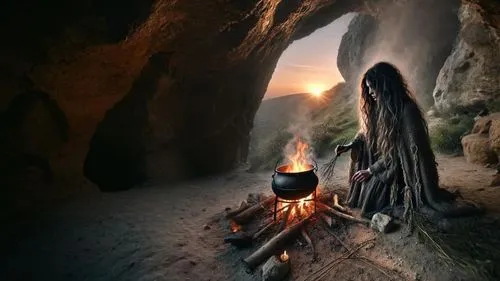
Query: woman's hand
361	175
341	149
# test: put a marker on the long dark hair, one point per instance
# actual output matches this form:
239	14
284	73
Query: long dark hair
380	119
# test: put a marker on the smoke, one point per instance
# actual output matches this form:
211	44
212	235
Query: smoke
417	36
301	131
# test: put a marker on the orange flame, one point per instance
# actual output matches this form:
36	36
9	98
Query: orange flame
299	160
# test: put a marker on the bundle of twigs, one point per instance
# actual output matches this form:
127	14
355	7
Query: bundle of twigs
328	169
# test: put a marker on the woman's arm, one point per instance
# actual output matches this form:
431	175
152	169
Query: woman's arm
355	143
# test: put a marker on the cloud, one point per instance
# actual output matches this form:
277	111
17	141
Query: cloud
310	68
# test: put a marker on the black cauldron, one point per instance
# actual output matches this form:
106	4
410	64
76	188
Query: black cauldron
294	185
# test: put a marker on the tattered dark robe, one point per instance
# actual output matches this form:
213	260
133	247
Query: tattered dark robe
412	173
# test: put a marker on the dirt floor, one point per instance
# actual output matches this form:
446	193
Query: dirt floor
158	233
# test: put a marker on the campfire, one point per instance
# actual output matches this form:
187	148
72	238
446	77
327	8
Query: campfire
298	202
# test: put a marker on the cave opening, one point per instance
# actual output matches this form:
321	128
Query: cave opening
416	37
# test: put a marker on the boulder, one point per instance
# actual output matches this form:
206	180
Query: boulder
483	124
469	82
482	146
476	149
353	46
494	136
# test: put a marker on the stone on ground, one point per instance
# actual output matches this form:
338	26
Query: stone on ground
381	222
274	269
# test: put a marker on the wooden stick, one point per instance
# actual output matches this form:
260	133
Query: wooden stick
276	243
277	211
342	215
266	221
309	241
337	205
319	274
233	213
249	213
264	229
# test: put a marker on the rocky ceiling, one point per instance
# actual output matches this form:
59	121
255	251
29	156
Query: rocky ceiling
125	91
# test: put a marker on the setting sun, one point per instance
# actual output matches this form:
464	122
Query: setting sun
316	89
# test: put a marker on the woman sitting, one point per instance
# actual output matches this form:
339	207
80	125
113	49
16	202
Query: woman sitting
392	160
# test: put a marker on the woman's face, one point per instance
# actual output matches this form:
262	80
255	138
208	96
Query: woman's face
371	91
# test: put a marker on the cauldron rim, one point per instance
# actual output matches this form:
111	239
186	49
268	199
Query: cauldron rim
277	170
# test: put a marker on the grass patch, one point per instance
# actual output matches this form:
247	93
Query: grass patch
328	125
446	137
472	245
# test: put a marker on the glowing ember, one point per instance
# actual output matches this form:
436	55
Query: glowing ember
284	257
299	160
304	207
235	227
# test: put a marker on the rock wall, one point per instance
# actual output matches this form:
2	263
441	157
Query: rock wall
416	35
137	90
469	80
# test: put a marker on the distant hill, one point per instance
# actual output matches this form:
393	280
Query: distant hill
327	119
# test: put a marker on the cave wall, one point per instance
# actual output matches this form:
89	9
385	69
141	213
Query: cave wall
149	90
469	81
415	35
129	91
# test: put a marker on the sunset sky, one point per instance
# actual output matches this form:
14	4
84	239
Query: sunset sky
310	63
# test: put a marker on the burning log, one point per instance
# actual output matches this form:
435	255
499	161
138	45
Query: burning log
274	244
250	212
309	241
233	213
340	214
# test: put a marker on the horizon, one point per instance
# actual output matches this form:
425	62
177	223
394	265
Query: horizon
311	62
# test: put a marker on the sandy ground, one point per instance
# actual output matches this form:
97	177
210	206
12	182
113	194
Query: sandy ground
157	233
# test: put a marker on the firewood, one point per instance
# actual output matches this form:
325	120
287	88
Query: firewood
276	243
337	205
250	212
262	230
266	221
342	215
240	240
309	241
233	213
